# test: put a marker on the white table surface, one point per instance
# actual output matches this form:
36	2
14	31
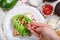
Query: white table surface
2	14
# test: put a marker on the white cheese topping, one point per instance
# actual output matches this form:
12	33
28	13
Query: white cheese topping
29	14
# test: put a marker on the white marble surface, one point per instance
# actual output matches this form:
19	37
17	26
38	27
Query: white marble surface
2	14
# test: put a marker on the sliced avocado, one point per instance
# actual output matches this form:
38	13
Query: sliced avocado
20	27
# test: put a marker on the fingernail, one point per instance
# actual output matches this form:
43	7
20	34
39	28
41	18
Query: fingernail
32	28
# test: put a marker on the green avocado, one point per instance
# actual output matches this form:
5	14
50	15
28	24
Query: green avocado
19	25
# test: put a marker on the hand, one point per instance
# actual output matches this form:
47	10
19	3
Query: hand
43	31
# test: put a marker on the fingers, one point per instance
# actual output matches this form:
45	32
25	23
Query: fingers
41	35
38	29
37	24
33	32
30	26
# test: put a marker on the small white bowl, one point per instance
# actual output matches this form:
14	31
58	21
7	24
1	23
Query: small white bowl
35	3
53	21
42	8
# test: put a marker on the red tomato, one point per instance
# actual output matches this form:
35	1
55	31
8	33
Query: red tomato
47	9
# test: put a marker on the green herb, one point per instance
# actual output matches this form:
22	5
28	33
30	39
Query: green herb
8	4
